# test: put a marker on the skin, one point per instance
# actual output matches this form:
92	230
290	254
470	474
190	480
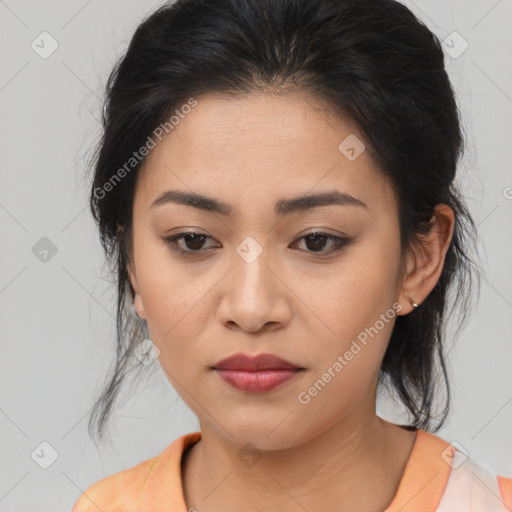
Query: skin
295	300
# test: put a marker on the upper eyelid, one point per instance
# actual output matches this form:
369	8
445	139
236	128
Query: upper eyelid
309	233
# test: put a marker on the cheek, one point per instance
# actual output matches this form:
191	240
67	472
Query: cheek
347	363
172	300
357	310
175	316
356	295
163	286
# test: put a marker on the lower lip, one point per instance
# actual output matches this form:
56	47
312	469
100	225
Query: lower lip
257	381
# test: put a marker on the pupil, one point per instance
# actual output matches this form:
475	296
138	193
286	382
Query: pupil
195	238
316	246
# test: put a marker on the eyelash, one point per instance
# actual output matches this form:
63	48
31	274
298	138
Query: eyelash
339	243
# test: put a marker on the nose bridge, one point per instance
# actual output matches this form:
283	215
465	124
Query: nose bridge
252	299
251	263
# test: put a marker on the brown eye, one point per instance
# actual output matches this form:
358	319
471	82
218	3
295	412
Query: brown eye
316	242
192	242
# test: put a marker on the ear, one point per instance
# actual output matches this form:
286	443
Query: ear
424	266
137	300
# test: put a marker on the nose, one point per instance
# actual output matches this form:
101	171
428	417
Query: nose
255	296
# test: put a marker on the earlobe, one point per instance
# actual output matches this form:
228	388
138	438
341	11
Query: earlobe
138	307
137	300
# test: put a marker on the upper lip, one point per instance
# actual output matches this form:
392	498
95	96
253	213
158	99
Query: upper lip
245	362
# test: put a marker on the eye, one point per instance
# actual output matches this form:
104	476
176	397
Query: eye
193	242
316	241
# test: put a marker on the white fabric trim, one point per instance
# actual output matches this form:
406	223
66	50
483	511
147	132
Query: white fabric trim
471	487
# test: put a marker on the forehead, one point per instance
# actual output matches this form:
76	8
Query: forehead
252	147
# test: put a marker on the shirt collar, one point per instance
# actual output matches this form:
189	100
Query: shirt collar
421	488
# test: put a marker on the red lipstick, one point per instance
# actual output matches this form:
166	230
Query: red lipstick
255	374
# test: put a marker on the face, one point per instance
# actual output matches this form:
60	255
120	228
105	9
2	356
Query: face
310	282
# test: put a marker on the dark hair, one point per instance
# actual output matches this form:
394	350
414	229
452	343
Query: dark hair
376	65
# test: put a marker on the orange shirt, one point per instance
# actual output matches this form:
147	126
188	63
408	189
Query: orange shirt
437	478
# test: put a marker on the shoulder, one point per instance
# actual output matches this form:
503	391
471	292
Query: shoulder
116	491
441	477
123	491
505	485
472	485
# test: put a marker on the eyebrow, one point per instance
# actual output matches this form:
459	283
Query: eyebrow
282	207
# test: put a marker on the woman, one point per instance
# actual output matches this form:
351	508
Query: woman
275	186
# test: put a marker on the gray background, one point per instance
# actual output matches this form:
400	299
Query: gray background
57	317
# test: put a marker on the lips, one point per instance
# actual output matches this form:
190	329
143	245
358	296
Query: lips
247	363
255	374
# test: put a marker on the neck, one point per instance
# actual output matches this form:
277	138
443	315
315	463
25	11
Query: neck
361	466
